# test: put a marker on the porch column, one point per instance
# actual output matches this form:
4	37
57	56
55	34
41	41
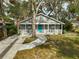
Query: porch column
48	28
36	28
54	28
61	29
44	28
25	27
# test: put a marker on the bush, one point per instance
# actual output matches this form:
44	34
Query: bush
77	30
68	26
54	37
11	29
29	39
1	34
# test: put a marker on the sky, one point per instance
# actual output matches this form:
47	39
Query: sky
65	5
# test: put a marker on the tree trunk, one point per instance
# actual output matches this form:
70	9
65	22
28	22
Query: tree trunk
4	29
34	28
18	26
5	32
33	22
34	17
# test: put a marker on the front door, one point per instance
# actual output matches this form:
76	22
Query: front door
40	28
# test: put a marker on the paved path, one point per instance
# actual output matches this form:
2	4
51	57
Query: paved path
12	52
39	41
19	46
6	44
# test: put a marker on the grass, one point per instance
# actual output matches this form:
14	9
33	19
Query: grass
56	47
29	39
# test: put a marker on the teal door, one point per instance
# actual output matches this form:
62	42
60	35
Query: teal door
40	28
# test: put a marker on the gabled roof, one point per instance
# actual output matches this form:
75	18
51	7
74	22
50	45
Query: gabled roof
46	19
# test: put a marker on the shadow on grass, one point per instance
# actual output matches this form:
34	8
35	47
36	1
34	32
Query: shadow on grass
68	47
56	47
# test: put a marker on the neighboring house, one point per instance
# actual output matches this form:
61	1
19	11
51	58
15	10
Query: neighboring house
44	25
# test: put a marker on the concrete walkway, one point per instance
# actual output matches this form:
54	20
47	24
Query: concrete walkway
18	46
39	41
12	52
6	44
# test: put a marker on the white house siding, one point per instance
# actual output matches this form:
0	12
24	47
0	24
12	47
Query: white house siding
50	25
58	31
47	29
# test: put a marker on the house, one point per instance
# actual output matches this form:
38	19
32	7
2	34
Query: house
44	25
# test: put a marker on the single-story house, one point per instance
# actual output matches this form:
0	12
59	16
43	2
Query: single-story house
44	25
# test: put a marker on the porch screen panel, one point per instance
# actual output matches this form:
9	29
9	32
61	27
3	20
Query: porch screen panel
29	28
22	26
58	26
46	27
51	28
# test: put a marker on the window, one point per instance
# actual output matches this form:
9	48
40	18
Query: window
29	26
58	26
46	27
51	28
22	26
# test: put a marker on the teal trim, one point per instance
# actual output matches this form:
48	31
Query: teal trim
40	28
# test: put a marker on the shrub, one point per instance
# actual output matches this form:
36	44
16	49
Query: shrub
68	26
1	34
29	39
54	37
11	29
77	30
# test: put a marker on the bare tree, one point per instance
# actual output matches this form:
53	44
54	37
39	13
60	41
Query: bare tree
35	9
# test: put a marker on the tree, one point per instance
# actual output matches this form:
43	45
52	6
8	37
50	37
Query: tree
35	9
2	18
32	7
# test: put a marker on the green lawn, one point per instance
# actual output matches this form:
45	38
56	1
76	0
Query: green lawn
56	47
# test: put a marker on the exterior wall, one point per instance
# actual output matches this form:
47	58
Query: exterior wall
47	30
25	29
